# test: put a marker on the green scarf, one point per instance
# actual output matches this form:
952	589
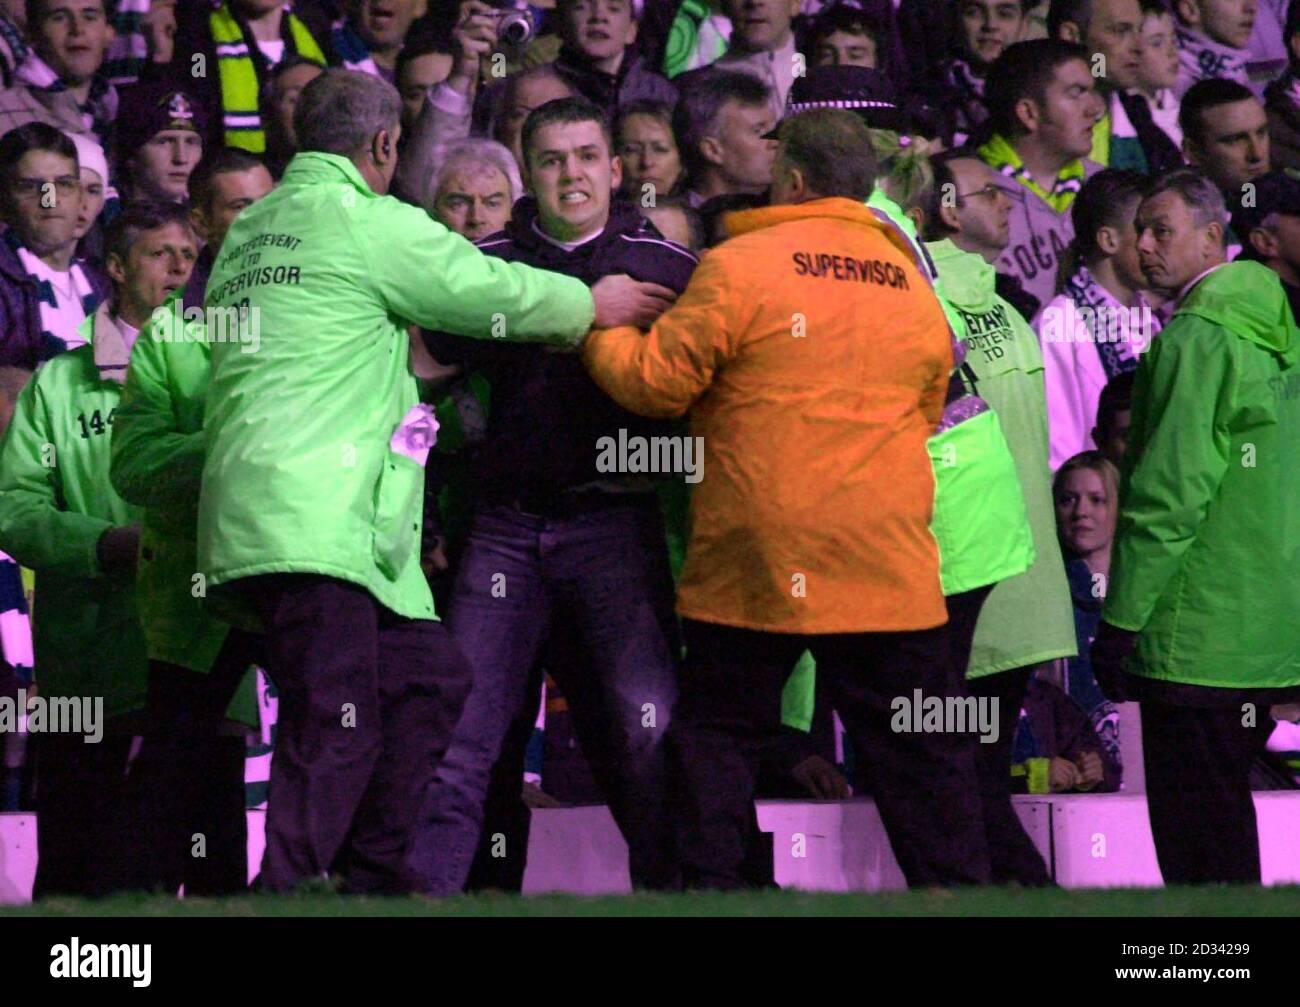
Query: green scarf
684	38
241	115
1002	158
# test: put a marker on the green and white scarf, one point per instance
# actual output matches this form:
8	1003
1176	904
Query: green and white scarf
1002	158
241	115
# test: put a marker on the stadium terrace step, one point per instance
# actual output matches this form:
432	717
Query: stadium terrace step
1088	841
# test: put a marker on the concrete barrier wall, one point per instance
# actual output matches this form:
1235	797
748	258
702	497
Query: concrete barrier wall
1087	841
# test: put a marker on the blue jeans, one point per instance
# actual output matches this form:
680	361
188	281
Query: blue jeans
603	577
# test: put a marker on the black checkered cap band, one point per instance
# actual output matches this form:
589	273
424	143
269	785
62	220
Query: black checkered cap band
803	106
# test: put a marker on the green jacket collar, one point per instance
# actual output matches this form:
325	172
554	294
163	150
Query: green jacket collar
313	167
968	281
1247	299
107	343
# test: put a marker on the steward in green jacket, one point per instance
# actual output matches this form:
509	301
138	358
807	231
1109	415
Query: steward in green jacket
60	517
1027	620
189	774
1206	568
313	481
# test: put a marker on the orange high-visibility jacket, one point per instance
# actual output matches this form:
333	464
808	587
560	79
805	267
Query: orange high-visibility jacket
814	360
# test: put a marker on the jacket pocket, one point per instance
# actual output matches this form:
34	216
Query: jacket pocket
399	502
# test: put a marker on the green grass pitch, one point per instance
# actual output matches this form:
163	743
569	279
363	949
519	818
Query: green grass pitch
1006	902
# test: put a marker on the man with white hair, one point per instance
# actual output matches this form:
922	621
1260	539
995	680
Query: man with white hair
313	483
1209	487
472	188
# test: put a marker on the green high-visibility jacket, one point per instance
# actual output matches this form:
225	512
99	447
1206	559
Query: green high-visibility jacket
1207	558
979	515
1027	618
299	475
157	464
55	503
984	544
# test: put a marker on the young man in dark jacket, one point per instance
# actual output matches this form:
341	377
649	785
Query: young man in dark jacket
598	57
561	538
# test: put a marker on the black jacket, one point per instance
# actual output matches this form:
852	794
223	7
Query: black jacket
635	81
546	414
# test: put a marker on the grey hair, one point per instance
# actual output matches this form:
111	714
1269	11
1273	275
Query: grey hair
1196	191
341	110
474	150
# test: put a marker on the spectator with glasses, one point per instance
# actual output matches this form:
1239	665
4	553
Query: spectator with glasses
46	292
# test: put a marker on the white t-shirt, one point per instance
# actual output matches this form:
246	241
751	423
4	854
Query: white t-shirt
273	51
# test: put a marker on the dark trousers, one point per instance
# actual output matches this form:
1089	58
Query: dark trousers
368	700
602	576
729	711
80	836
1012	854
186	789
502	854
1198	791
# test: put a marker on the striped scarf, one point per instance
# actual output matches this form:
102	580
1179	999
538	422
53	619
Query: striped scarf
129	51
101	103
15	624
350	48
1002	158
1117	354
58	331
241	116
12	39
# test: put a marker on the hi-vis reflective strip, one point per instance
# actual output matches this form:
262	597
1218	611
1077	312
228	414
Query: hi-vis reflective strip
241	118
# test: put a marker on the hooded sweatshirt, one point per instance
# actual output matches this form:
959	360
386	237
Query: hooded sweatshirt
1028	618
1205	559
87	638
